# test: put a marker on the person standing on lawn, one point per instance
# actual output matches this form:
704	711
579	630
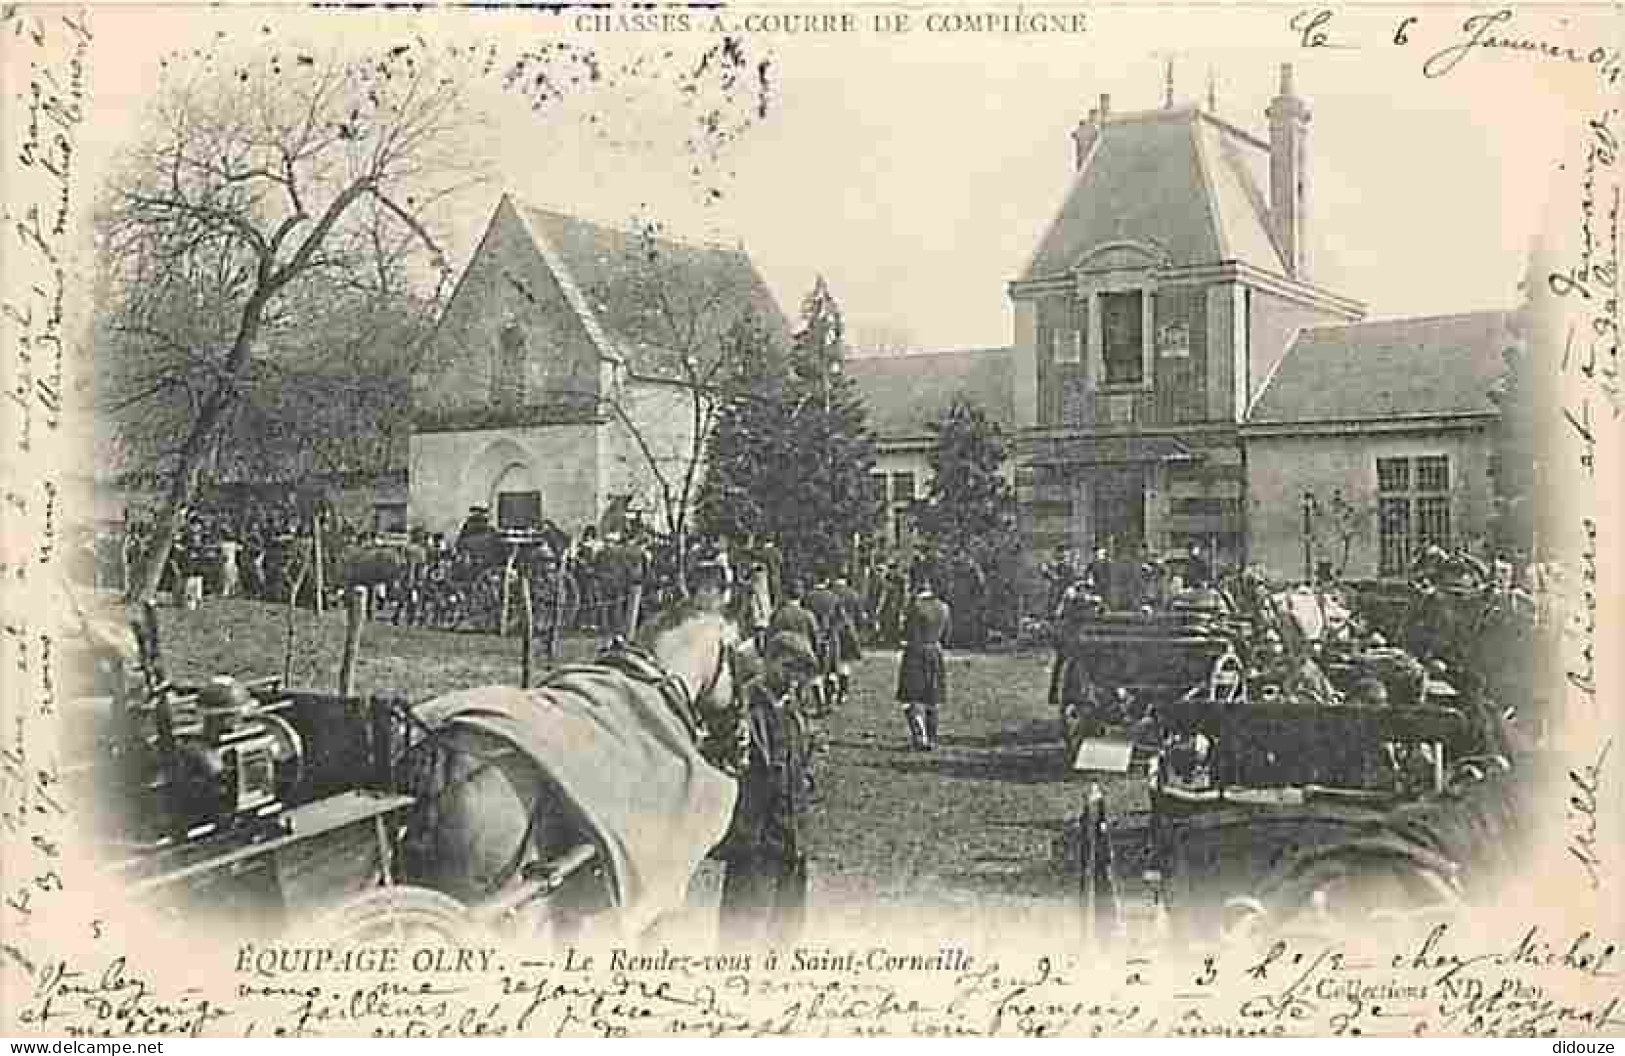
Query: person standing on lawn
922	676
849	619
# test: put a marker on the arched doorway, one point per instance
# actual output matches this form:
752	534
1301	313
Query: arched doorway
516	498
502	479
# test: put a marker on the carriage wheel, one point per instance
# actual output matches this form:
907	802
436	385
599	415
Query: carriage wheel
1328	891
398	914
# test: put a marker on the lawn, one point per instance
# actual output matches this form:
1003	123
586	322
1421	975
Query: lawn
938	838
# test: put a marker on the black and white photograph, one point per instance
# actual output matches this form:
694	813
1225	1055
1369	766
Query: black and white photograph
815	520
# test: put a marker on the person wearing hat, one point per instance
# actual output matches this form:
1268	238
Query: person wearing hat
757	603
825	606
922	676
849	617
765	883
792	615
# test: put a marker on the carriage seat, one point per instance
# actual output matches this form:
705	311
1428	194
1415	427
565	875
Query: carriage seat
1285	743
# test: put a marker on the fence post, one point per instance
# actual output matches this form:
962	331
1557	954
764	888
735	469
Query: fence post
505	595
355	613
527	629
293	610
316	551
554	628
1099	896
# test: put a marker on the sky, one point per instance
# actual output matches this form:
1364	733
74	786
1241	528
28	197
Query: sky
916	172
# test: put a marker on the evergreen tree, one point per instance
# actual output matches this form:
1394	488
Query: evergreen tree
791	458
970	508
967	521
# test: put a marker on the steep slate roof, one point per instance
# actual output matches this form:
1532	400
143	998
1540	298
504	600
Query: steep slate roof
905	394
597	268
1430	366
1179	179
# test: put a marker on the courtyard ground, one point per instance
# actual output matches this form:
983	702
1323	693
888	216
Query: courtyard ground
932	837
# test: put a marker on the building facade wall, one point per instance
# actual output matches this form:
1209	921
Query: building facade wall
1282	469
664	416
451	471
507	284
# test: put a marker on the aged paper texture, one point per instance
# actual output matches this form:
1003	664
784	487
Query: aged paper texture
1320	292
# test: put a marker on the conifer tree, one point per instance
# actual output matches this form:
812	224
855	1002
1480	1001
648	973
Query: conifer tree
792	459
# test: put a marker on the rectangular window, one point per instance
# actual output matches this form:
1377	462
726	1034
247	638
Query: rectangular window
902	487
1394	543
519	509
1413	510
1122	337
877	487
1393	474
1433	473
1433	521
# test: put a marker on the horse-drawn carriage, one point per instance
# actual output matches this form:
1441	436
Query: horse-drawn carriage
350	817
1279	745
1113	670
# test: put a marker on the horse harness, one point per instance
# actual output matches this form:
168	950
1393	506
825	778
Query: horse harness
626	658
641	665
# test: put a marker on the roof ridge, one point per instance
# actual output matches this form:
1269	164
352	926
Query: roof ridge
1247	137
893	357
673	239
1402	319
1204	170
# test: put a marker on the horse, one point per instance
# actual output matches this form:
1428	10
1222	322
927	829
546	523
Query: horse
629	764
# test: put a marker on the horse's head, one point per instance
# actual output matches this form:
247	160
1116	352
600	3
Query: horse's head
696	642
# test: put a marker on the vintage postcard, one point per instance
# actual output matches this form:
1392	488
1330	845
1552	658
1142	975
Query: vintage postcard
842	519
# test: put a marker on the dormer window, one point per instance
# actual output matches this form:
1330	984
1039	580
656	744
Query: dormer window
1122	338
1121	332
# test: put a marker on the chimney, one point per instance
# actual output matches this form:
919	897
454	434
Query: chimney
1289	175
1088	130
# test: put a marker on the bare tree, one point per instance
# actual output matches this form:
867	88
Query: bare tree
697	317
1339	523
266	200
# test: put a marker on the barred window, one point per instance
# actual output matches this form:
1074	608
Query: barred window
1433	473
1393	474
1432	521
1413	510
1394	544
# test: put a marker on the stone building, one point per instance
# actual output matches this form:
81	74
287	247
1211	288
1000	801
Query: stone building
1153	308
1180	378
561	374
1372	441
905	396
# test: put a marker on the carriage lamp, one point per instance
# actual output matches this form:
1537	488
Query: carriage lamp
239	762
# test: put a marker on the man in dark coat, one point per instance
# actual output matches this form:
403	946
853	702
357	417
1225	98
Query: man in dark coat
849	617
766	878
825	605
922	677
